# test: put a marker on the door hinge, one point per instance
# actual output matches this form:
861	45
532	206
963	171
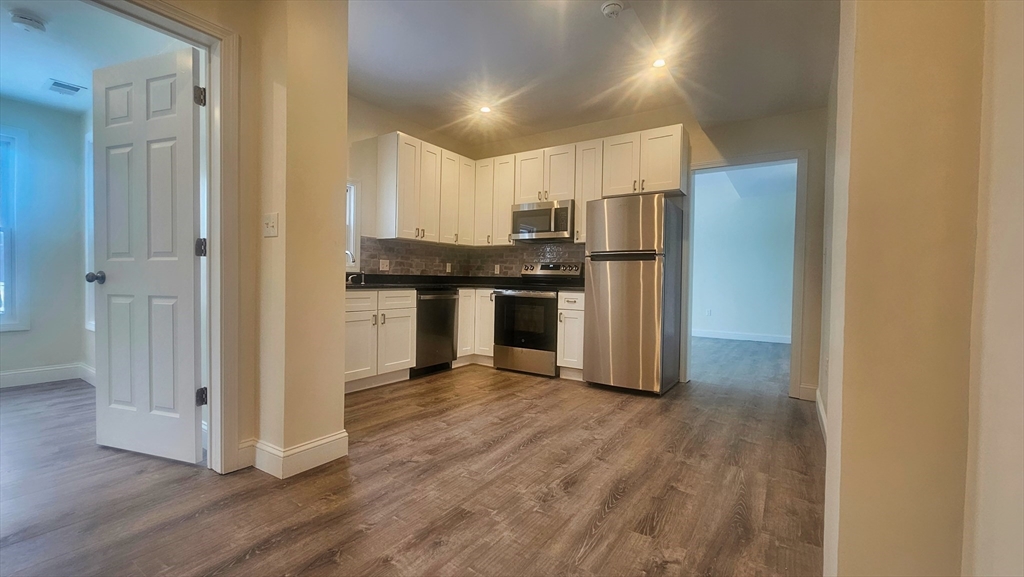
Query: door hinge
201	397
199	95
200	247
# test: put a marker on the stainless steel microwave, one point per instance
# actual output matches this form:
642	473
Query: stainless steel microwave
543	221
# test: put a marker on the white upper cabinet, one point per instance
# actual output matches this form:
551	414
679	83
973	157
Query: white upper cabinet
621	164
588	182
504	198
664	159
529	178
451	165
467	200
484	219
430	192
398	186
560	172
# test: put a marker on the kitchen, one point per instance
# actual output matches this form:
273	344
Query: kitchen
626	190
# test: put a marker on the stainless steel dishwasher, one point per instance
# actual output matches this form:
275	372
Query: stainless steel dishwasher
436	327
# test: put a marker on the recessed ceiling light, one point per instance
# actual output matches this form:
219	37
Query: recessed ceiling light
485	109
659	63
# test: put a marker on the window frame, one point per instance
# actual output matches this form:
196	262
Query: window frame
352	238
17	296
89	235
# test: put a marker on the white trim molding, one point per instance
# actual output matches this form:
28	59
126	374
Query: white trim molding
48	374
482	360
821	415
570	374
283	463
376	381
784	339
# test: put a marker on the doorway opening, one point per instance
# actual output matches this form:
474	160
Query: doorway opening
66	216
744	255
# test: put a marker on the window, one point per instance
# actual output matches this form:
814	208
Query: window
352	226
13	260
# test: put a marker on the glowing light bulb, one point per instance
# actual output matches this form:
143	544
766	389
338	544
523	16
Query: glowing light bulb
659	63
485	109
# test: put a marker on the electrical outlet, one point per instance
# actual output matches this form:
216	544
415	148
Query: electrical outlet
385	265
707	313
447	267
497	269
270	225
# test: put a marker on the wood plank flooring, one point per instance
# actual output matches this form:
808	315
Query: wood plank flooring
469	472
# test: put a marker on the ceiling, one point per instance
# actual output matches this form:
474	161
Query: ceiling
547	64
79	38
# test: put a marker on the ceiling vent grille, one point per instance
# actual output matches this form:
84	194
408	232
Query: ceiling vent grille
65	88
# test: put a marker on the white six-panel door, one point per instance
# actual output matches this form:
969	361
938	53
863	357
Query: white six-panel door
146	160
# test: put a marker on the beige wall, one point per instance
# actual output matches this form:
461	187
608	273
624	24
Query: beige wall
913	181
732	141
827	240
50	221
994	513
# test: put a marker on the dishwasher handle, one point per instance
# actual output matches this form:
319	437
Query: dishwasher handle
446	297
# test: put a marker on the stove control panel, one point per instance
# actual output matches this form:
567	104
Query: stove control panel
552	268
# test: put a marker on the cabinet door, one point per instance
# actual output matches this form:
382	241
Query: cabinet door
570	339
621	164
560	172
529	178
660	168
504	196
448	226
408	201
430	192
396	340
484	221
360	345
467	200
467	322
589	164
485	322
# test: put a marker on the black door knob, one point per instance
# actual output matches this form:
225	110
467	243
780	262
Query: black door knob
99	277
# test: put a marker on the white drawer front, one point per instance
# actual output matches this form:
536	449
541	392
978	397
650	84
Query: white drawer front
396	299
360	300
570	301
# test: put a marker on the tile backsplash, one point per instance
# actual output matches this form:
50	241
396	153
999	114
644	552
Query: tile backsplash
414	257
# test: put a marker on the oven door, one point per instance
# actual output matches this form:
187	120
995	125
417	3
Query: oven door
526	320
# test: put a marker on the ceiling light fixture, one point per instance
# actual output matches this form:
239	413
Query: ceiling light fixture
485	109
659	63
27	22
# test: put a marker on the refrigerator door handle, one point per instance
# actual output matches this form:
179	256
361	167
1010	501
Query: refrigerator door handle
624	255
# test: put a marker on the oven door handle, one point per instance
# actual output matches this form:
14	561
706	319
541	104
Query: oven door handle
525	293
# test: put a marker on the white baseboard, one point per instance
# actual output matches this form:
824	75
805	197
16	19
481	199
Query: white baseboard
483	360
808	392
821	415
376	381
48	374
247	453
571	374
283	463
784	339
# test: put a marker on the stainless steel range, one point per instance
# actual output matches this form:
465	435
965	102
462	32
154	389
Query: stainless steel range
526	319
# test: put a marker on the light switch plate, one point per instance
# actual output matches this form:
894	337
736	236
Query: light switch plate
270	225
385	265
497	269
447	267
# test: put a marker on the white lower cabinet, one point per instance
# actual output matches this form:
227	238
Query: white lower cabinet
467	322
396	340
485	322
380	332
570	330
360	345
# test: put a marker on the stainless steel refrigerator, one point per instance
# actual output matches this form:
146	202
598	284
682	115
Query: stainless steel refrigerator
635	290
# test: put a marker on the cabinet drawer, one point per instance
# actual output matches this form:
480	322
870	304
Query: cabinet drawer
570	301
396	299
360	300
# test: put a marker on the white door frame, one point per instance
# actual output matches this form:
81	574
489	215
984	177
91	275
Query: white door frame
225	452
799	251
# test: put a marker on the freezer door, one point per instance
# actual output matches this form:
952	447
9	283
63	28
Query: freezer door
622	345
626	223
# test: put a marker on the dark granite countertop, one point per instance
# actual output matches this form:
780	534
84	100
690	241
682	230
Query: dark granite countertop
389	281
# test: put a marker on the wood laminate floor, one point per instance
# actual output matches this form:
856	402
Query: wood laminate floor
469	472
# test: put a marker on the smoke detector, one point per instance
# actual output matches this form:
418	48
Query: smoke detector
65	88
27	22
612	8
